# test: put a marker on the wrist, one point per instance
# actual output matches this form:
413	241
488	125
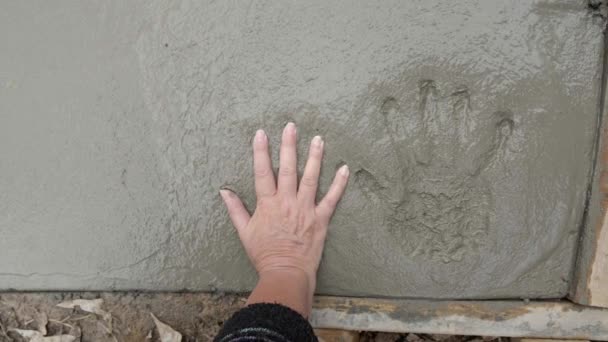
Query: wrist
292	272
287	274
290	287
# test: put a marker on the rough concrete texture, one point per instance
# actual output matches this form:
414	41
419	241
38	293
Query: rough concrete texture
468	127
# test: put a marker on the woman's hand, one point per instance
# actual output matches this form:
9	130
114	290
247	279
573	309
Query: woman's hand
284	238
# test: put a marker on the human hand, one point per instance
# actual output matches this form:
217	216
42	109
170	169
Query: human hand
287	231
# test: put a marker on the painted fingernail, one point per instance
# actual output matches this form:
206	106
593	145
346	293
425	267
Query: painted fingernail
343	170
260	136
317	141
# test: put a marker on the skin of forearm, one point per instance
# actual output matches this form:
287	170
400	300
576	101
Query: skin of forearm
290	288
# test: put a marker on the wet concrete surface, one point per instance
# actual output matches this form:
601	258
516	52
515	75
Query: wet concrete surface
468	127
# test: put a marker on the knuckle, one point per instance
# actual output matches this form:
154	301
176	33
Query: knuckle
262	202
330	202
261	172
309	181
287	171
286	208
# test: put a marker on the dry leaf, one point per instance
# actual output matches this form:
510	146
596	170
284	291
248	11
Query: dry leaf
41	320
36	336
32	318
166	333
88	305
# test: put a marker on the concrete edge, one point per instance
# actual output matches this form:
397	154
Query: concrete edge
591	265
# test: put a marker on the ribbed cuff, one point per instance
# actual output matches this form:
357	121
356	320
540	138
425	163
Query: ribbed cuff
266	322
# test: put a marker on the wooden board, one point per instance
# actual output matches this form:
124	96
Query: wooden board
190	312
562	320
336	335
544	340
590	285
598	280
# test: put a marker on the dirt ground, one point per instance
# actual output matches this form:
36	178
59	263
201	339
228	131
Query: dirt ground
127	317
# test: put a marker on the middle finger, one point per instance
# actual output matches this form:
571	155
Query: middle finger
288	176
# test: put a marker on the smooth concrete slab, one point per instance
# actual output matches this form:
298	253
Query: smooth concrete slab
468	127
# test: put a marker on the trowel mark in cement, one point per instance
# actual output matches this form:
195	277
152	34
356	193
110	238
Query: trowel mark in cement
442	207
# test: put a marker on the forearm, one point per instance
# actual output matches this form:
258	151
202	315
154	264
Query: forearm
291	288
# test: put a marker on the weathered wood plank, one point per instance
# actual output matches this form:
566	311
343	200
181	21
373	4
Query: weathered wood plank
598	280
563	320
544	340
591	278
335	335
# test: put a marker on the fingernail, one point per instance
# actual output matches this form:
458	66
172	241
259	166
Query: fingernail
225	193
260	136
290	126
343	170
317	141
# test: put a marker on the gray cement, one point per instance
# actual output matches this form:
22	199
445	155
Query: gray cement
468	127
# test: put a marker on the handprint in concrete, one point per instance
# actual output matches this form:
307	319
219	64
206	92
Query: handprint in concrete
439	203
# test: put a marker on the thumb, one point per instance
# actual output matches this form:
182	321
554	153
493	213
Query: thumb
236	210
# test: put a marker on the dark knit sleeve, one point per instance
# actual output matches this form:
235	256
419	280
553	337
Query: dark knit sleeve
266	322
